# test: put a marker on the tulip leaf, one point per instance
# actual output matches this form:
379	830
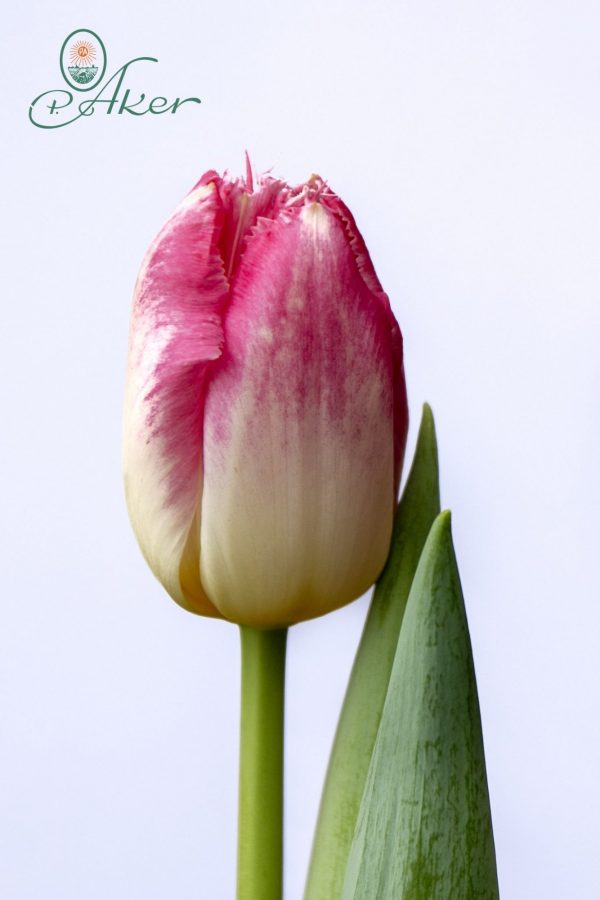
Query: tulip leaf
424	829
367	688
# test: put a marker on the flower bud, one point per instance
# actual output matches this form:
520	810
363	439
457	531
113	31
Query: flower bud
265	412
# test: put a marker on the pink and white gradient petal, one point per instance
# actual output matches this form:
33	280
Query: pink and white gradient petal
176	335
298	495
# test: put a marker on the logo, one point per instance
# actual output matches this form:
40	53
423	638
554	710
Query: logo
83	59
83	63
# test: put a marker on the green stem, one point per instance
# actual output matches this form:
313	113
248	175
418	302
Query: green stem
260	817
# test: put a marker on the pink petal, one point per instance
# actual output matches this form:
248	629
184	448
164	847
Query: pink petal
298	494
365	266
176	335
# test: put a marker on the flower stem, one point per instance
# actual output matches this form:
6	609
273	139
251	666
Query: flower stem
260	817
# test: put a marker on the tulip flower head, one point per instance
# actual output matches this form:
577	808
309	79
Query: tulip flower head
265	413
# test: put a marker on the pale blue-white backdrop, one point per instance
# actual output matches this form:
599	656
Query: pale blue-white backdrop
465	136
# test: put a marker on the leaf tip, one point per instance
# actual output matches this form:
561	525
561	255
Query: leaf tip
427	413
427	425
445	519
441	530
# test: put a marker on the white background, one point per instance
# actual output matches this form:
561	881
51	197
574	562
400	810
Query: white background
465	136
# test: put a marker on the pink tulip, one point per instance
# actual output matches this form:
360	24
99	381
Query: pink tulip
265	414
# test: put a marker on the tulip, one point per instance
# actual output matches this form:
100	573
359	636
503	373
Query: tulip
265	414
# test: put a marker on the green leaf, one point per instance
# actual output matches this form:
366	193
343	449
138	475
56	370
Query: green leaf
367	688
424	830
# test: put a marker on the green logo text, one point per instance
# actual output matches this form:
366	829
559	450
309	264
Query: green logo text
83	63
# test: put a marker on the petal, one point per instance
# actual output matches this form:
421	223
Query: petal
176	334
298	494
365	267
